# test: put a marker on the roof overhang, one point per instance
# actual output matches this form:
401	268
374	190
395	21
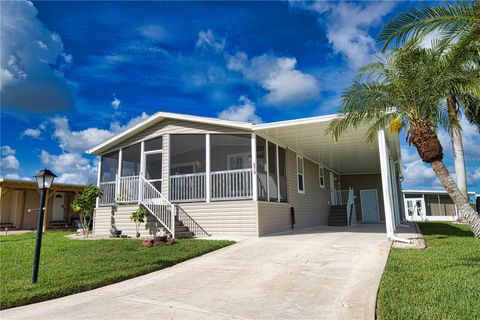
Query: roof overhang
351	154
471	193
158	117
32	185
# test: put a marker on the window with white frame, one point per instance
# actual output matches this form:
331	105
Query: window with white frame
321	176
300	175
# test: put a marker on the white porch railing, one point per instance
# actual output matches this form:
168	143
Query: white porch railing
340	197
127	189
232	184
108	190
187	187
157	204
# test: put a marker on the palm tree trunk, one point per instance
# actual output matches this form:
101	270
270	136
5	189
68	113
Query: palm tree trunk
457	145
470	215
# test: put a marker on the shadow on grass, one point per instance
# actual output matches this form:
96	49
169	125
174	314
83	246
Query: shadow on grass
443	230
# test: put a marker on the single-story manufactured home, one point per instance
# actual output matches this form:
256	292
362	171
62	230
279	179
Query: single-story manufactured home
429	205
19	203
208	176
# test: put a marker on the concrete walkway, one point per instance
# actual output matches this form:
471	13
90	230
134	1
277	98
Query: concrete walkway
325	273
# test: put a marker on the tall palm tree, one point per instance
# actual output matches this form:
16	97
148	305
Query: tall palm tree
459	23
405	90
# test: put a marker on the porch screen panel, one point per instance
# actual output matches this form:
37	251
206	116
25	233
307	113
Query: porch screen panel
262	169
431	203
109	168
131	160
282	173
187	153
447	208
272	173
154	144
230	152
187	167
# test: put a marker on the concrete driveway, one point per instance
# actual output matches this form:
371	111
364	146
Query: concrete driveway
325	273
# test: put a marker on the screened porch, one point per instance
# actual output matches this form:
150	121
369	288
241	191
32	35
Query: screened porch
195	168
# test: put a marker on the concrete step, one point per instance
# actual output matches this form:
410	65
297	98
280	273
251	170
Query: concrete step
185	234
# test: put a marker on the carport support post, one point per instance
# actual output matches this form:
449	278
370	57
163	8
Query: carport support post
254	167
387	203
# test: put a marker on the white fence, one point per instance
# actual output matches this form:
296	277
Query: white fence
187	187
128	189
231	184
108	190
340	197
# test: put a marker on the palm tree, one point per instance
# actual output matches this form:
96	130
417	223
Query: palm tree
405	90
458	23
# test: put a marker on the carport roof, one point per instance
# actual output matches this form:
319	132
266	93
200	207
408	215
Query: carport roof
307	136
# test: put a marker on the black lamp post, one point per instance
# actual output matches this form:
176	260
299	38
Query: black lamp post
44	180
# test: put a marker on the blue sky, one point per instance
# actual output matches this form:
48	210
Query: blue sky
74	73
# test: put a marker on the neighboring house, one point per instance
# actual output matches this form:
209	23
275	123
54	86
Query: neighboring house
224	177
429	205
20	200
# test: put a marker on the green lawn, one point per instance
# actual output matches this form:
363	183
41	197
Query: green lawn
440	282
69	266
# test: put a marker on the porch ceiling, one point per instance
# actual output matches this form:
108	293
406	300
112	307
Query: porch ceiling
350	155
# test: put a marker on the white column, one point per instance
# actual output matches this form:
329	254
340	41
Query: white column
393	183
208	193
142	171
254	167
99	173
119	173
278	174
384	168
267	171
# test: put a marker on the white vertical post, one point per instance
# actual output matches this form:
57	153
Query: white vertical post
99	173
142	171
254	167
208	193
174	211
166	166
278	174
119	174
387	203
267	171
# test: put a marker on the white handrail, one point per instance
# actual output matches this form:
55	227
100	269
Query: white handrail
158	205
187	187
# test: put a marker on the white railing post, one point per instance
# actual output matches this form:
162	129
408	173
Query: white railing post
99	173
142	172
208	177
254	168
174	210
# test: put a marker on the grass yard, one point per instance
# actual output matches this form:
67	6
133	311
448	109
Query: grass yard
439	282
69	266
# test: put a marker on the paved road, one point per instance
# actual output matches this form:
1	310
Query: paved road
325	273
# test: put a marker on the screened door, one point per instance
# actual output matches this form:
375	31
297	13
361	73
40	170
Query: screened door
153	169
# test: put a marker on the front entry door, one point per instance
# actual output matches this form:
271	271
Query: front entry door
58	206
369	203
414	209
153	169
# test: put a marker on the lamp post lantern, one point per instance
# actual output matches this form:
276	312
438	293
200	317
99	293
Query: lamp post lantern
44	180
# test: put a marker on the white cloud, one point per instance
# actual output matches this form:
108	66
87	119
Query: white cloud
31	79
348	26
70	167
153	32
416	172
9	164
244	111
32	133
206	39
286	85
115	103
77	141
